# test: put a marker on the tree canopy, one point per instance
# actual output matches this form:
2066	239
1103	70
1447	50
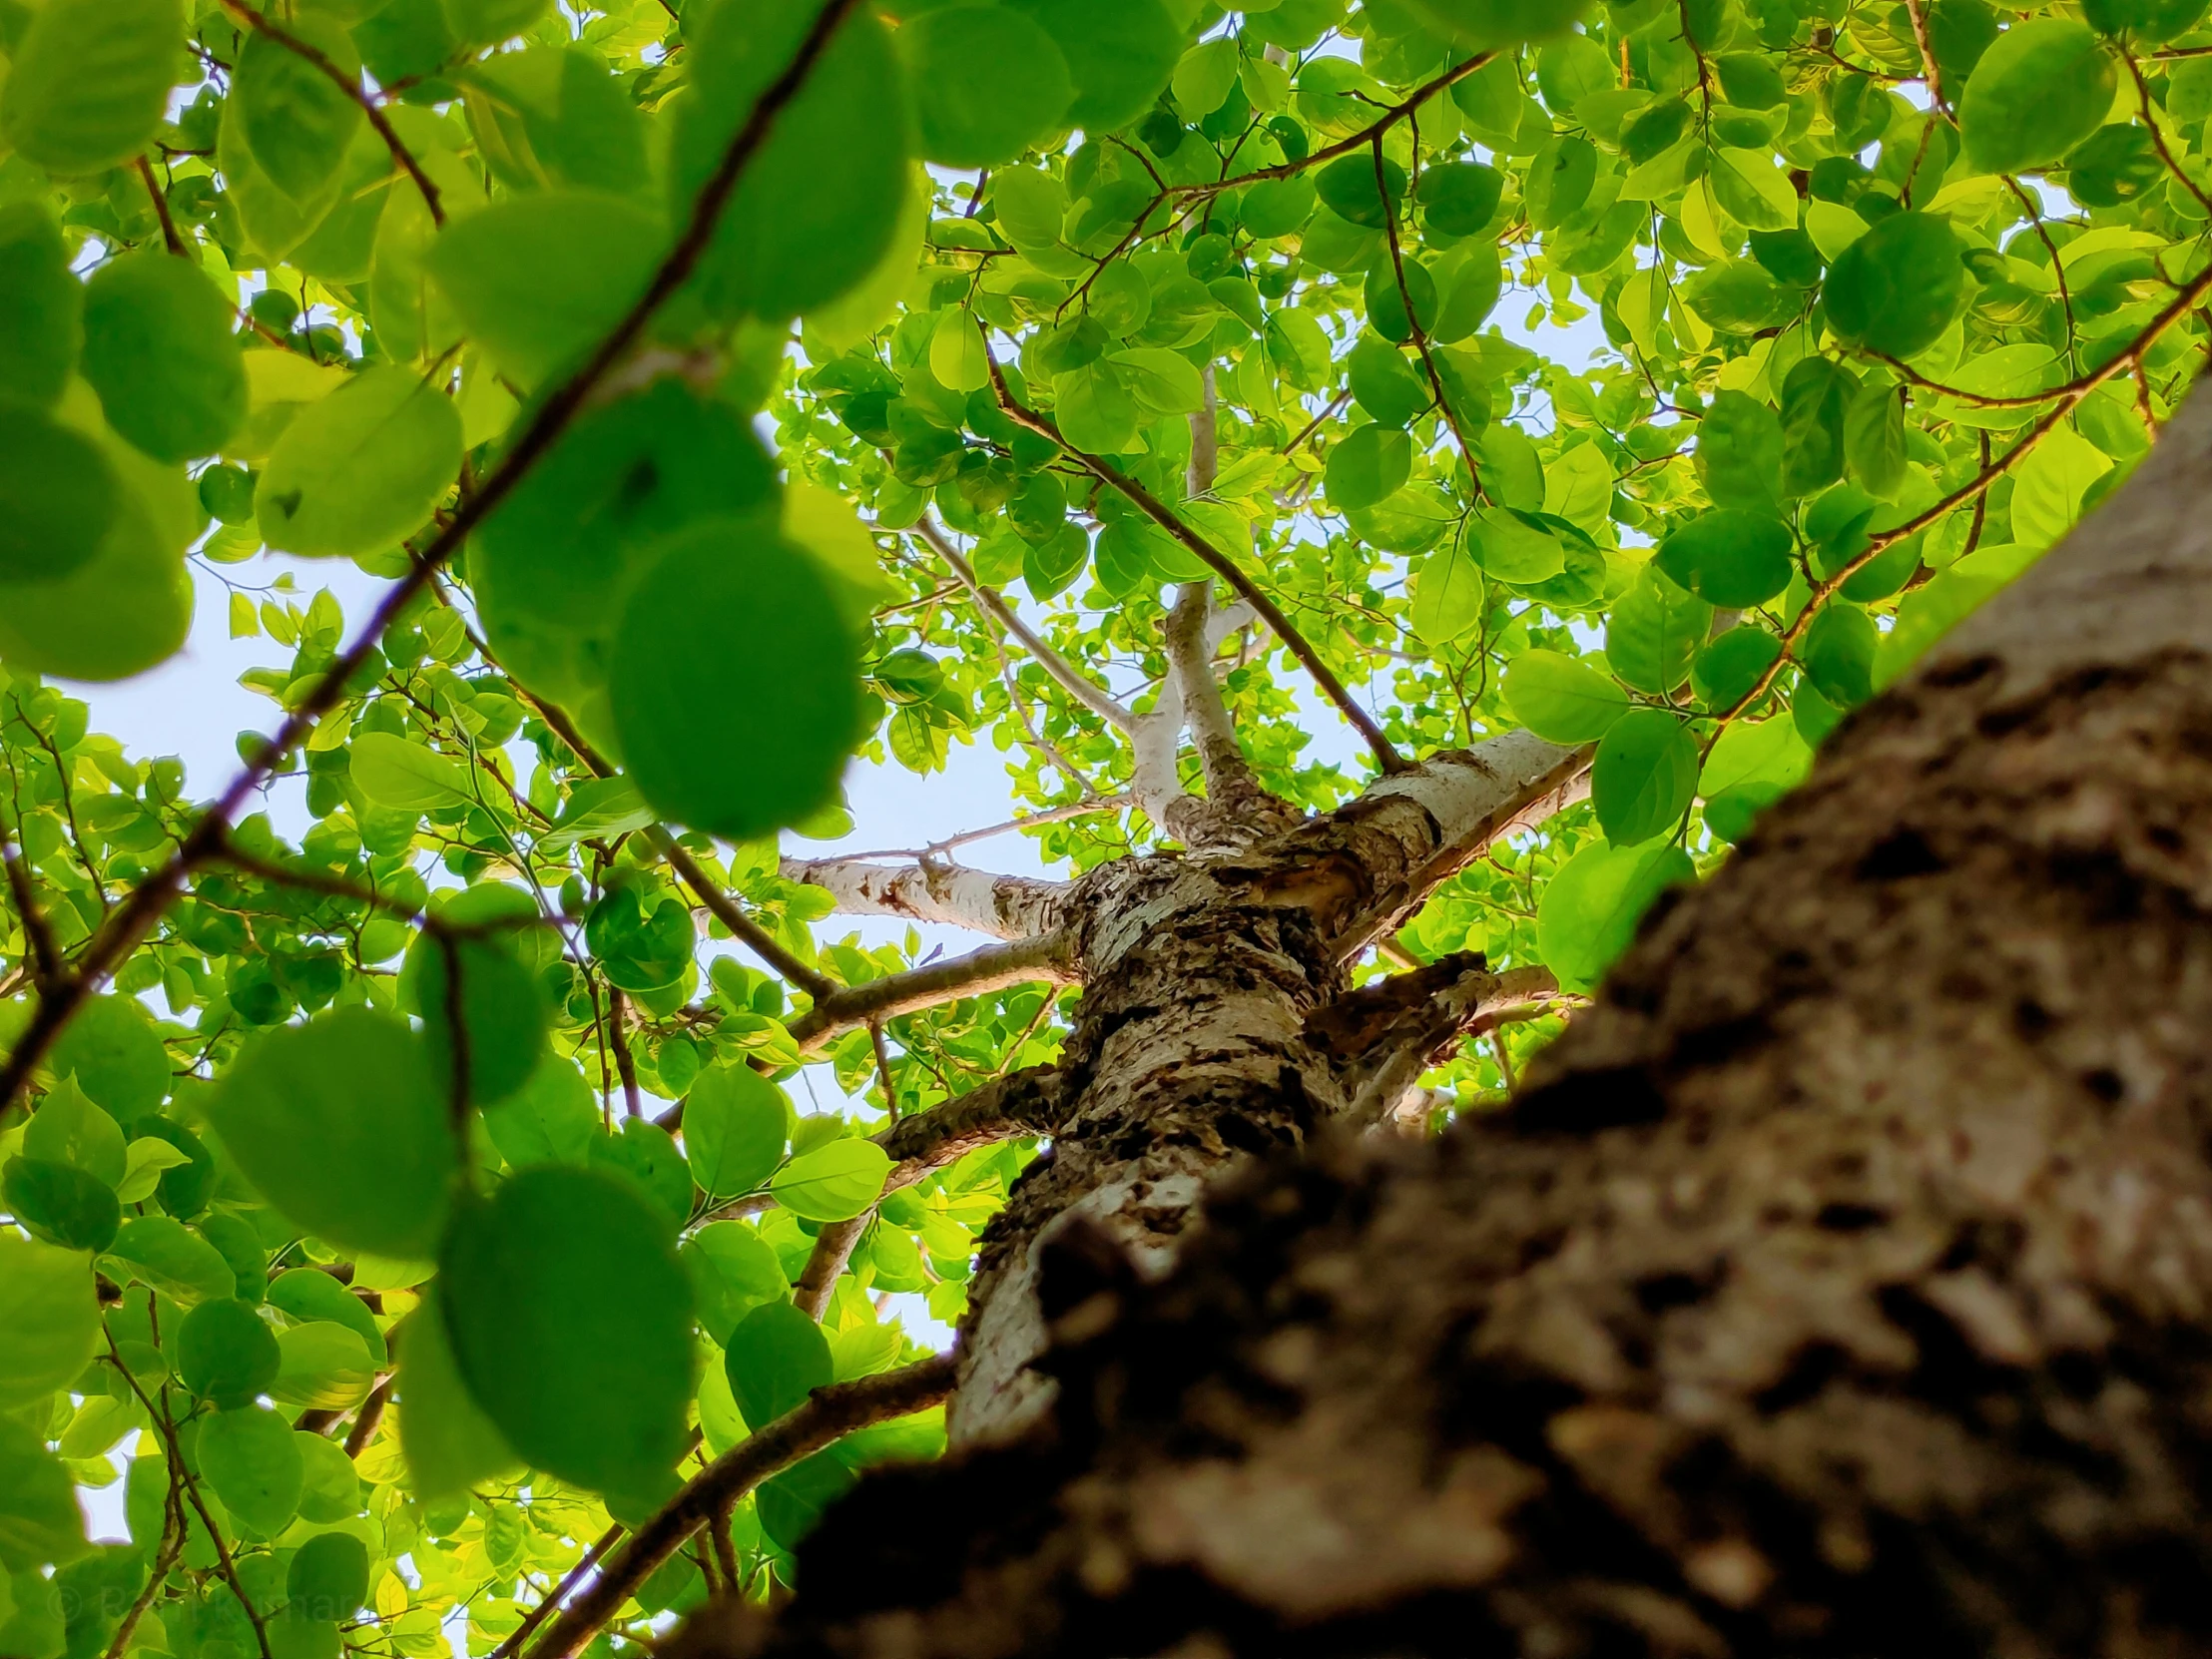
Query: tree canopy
731	387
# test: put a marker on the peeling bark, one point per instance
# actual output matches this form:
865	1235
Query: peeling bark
1840	1284
1006	907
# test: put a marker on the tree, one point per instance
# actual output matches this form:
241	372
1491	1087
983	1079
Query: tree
424	1190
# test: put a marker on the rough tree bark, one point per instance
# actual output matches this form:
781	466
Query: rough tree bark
1840	1284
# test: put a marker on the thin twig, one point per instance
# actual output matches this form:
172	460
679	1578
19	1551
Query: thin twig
160	210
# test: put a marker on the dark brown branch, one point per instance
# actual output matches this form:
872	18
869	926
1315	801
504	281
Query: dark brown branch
560	1592
743	927
37	931
1026	1102
1220	563
368	1419
128	923
834	1247
1345	146
1047	956
169	235
829	1415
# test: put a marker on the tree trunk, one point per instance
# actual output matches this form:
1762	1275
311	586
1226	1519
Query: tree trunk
1838	1284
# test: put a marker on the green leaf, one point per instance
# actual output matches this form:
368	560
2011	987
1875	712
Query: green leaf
1162	383
1095	411
362	467
733	1270
329	1488
89	82
251	1462
158	1251
1815	395
1561	700
1655	629
58	495
449	1442
1386	385
1740	452
553	1119
500	1006
1120	56
404	776
225	1353
1897	288
1353	188
1874	436
51	1315
341	1125
1486	24
486	21
61	1203
1515	547
39	1518
40	305
113	1051
1725	671
2042	88
1644	775
553	561
119	613
1371	464
539	280
1447	594
832	1183
775	1358
988	81
1754	189
728	725
556	115
1729	558
1838	654
818	204
1588	914
309	1293
159	352
733	1129
324	1364
69	1129
296	120
329	1577
646	1155
570	1319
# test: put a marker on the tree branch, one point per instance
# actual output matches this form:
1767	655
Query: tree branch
1219	562
1412	833
743	927
560	1592
1026	1102
834	1247
1077	684
1007	906
1388	1034
829	1415
1048	957
128	924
